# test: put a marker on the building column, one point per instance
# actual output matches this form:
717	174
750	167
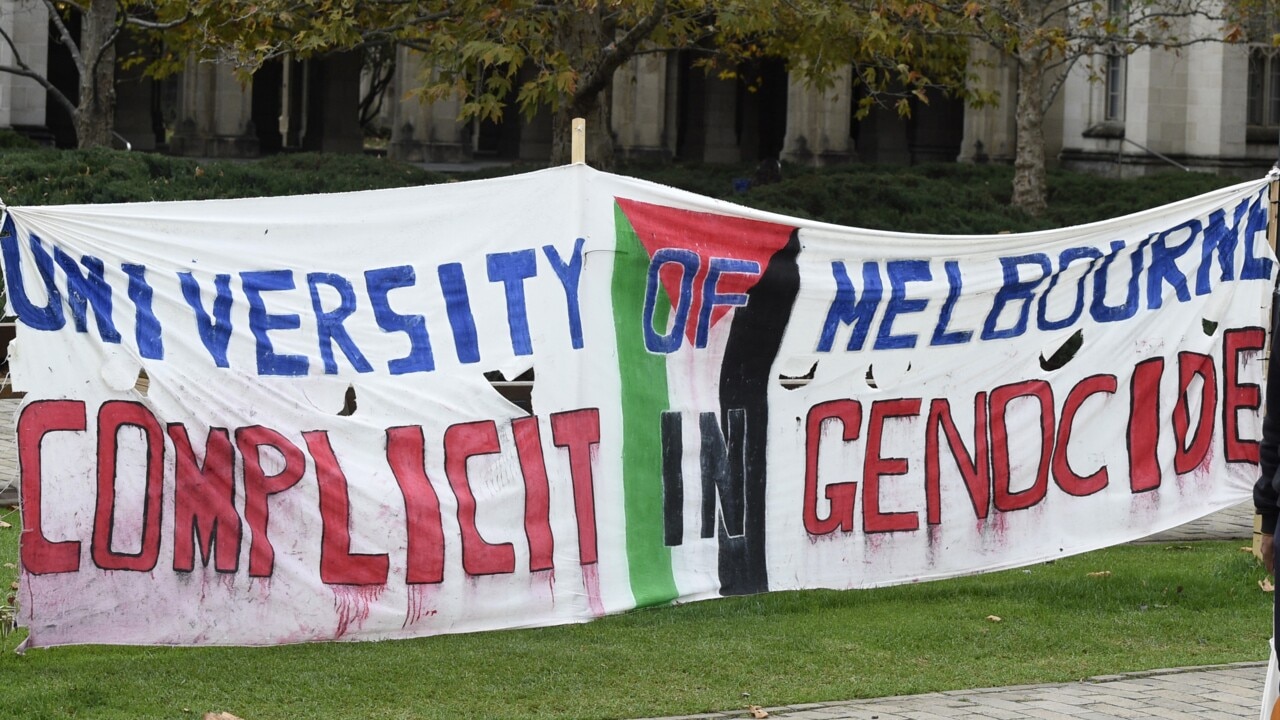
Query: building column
720	142
334	111
214	113
423	131
22	100
134	121
990	132
818	121
640	108
1217	100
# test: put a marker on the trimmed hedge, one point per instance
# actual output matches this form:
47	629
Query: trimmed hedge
943	198
950	198
55	177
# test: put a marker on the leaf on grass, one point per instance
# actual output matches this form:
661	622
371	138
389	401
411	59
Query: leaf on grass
10	566
757	711
1266	585
994	618
1246	548
14	585
4	525
220	716
1100	574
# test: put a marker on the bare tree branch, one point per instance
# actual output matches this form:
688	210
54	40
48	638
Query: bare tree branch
21	69
64	35
152	25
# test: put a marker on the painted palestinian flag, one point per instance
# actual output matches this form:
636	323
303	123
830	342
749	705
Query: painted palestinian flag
701	303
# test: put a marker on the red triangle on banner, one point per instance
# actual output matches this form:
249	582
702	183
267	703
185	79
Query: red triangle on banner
708	236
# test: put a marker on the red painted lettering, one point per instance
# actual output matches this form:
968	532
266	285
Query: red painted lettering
338	565
259	486
406	454
204	505
537	496
1004	498
461	443
1237	396
840	496
1187	456
579	431
1144	425
113	416
1067	478
41	556
975	469
875	467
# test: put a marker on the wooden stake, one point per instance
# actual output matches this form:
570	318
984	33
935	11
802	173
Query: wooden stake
579	152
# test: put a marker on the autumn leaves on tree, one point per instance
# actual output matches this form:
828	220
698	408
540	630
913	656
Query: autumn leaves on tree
562	54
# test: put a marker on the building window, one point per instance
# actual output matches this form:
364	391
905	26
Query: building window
1113	72
1113	88
1262	109
1264	88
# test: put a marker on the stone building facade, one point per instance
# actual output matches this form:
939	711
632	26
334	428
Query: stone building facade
1207	107
1210	107
23	102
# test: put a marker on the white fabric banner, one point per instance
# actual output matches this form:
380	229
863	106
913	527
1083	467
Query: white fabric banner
275	420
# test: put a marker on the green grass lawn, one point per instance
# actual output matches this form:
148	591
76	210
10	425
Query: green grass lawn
1161	606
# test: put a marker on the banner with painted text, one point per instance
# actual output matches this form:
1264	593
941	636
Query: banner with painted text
279	420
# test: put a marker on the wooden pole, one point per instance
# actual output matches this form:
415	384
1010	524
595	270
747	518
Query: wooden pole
579	152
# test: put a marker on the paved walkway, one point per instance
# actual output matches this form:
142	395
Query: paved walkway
8	453
1223	692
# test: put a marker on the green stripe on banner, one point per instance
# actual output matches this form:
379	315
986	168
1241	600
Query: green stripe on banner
644	397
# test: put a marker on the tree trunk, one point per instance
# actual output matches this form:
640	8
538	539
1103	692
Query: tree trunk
96	108
582	36
1030	187
595	110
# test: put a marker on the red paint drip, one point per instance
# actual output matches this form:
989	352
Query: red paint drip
543	584
421	598
591	582
227	581
352	603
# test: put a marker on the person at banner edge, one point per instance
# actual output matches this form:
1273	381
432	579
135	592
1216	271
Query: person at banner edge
1266	494
1266	491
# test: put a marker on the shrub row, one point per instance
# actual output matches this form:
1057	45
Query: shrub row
941	198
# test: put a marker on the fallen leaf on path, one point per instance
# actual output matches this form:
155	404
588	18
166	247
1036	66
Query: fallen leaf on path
757	711
995	618
1266	585
1100	573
